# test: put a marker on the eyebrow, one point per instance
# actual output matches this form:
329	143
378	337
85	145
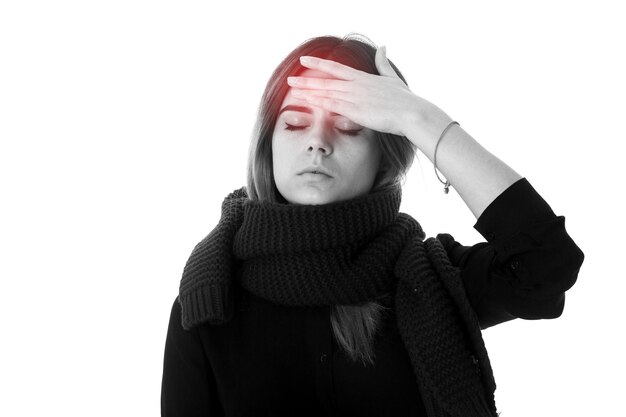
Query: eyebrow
302	109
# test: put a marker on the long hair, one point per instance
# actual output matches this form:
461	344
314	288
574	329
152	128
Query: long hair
354	326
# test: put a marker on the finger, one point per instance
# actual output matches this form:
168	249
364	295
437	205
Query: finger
338	95
382	63
317	83
340	71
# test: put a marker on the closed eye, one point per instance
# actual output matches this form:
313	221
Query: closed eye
294	127
350	132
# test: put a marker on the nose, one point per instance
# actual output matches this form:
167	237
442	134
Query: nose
319	142
321	148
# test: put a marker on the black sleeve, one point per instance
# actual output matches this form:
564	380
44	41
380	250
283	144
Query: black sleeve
527	263
188	386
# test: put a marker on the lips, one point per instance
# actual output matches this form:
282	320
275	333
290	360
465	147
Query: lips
316	169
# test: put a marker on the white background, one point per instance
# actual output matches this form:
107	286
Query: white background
123	124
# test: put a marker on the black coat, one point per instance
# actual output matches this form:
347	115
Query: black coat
271	360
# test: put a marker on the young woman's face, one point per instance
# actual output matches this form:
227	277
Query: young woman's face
321	157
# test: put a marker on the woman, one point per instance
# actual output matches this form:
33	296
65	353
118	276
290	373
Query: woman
314	296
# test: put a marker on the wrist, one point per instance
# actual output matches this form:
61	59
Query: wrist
426	124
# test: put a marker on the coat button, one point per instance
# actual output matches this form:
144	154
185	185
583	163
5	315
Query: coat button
514	265
324	357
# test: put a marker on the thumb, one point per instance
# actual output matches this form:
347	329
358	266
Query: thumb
382	63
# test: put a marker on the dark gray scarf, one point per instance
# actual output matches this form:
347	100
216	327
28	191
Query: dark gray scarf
345	253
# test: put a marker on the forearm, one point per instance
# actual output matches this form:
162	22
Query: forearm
476	174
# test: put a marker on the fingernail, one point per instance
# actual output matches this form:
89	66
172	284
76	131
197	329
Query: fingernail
306	60
292	80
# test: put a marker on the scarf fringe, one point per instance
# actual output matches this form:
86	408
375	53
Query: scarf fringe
478	407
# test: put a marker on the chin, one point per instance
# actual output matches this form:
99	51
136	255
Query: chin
312	198
312	201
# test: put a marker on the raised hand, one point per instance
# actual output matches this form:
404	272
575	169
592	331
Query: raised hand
379	102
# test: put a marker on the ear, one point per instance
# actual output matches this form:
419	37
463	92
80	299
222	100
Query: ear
382	63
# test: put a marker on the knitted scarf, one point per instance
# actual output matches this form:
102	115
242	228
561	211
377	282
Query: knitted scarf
347	253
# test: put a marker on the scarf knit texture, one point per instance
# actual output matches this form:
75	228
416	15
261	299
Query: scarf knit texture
347	253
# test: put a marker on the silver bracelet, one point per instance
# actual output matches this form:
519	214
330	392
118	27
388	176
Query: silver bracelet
446	183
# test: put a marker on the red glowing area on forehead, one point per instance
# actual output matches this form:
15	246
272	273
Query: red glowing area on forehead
301	105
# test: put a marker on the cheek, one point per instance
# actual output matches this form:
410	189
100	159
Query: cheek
368	159
280	156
